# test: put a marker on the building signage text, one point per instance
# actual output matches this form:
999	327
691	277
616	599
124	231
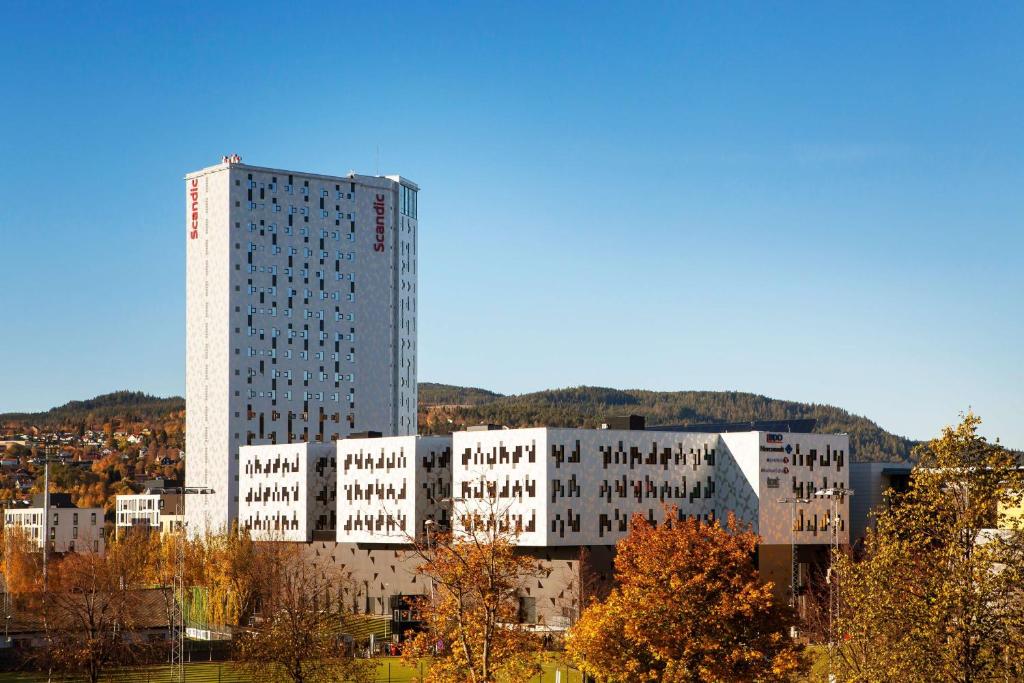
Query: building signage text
193	196
378	208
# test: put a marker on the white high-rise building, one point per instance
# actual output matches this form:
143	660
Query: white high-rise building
301	316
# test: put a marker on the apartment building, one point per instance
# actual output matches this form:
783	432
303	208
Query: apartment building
64	526
160	507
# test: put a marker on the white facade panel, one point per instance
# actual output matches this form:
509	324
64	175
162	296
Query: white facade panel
157	511
582	486
287	491
389	488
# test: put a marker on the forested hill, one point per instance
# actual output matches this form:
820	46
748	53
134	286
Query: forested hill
444	407
119	406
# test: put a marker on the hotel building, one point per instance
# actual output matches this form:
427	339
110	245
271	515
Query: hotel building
301	316
572	493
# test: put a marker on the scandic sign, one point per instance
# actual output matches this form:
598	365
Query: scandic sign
193	195
378	207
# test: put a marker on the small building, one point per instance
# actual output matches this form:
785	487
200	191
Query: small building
158	508
870	481
66	527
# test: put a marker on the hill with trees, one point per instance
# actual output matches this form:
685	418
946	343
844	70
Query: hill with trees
443	408
118	406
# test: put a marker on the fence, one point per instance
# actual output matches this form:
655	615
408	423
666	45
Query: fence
389	670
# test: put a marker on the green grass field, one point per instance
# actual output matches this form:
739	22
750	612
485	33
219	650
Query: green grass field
390	670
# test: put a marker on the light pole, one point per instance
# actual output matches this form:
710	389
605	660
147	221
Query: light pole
794	560
429	523
45	461
836	495
177	625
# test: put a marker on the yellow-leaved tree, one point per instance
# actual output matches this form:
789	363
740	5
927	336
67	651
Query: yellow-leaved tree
688	608
938	592
472	627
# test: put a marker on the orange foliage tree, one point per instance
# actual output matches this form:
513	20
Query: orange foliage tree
23	562
688	607
472	632
296	634
91	610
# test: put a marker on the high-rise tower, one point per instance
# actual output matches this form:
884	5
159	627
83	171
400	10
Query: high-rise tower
301	316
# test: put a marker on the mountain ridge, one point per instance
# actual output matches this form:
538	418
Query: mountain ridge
446	407
586	406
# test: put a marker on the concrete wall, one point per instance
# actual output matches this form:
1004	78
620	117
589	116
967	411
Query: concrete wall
375	572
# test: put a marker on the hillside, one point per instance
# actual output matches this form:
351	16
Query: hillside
120	406
443	408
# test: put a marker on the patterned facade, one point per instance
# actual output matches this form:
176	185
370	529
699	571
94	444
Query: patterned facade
301	316
288	491
389	489
581	487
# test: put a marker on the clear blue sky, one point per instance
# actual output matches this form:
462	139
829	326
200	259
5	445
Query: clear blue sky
817	204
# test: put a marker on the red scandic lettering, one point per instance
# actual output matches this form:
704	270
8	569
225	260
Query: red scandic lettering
379	209
194	196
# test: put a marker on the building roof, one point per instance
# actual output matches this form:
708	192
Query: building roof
148	611
57	500
795	426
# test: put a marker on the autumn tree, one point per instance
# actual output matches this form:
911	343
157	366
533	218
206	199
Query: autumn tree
296	634
23	562
937	595
229	576
90	610
472	631
688	607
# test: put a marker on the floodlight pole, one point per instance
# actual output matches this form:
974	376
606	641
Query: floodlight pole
794	568
836	495
429	523
178	584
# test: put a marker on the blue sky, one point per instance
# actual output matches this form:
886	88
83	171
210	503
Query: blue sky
817	203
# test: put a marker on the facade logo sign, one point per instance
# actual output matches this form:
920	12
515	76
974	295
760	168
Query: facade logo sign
789	448
773	438
193	196
378	208
776	470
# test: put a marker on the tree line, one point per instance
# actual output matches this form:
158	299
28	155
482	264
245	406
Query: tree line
443	408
